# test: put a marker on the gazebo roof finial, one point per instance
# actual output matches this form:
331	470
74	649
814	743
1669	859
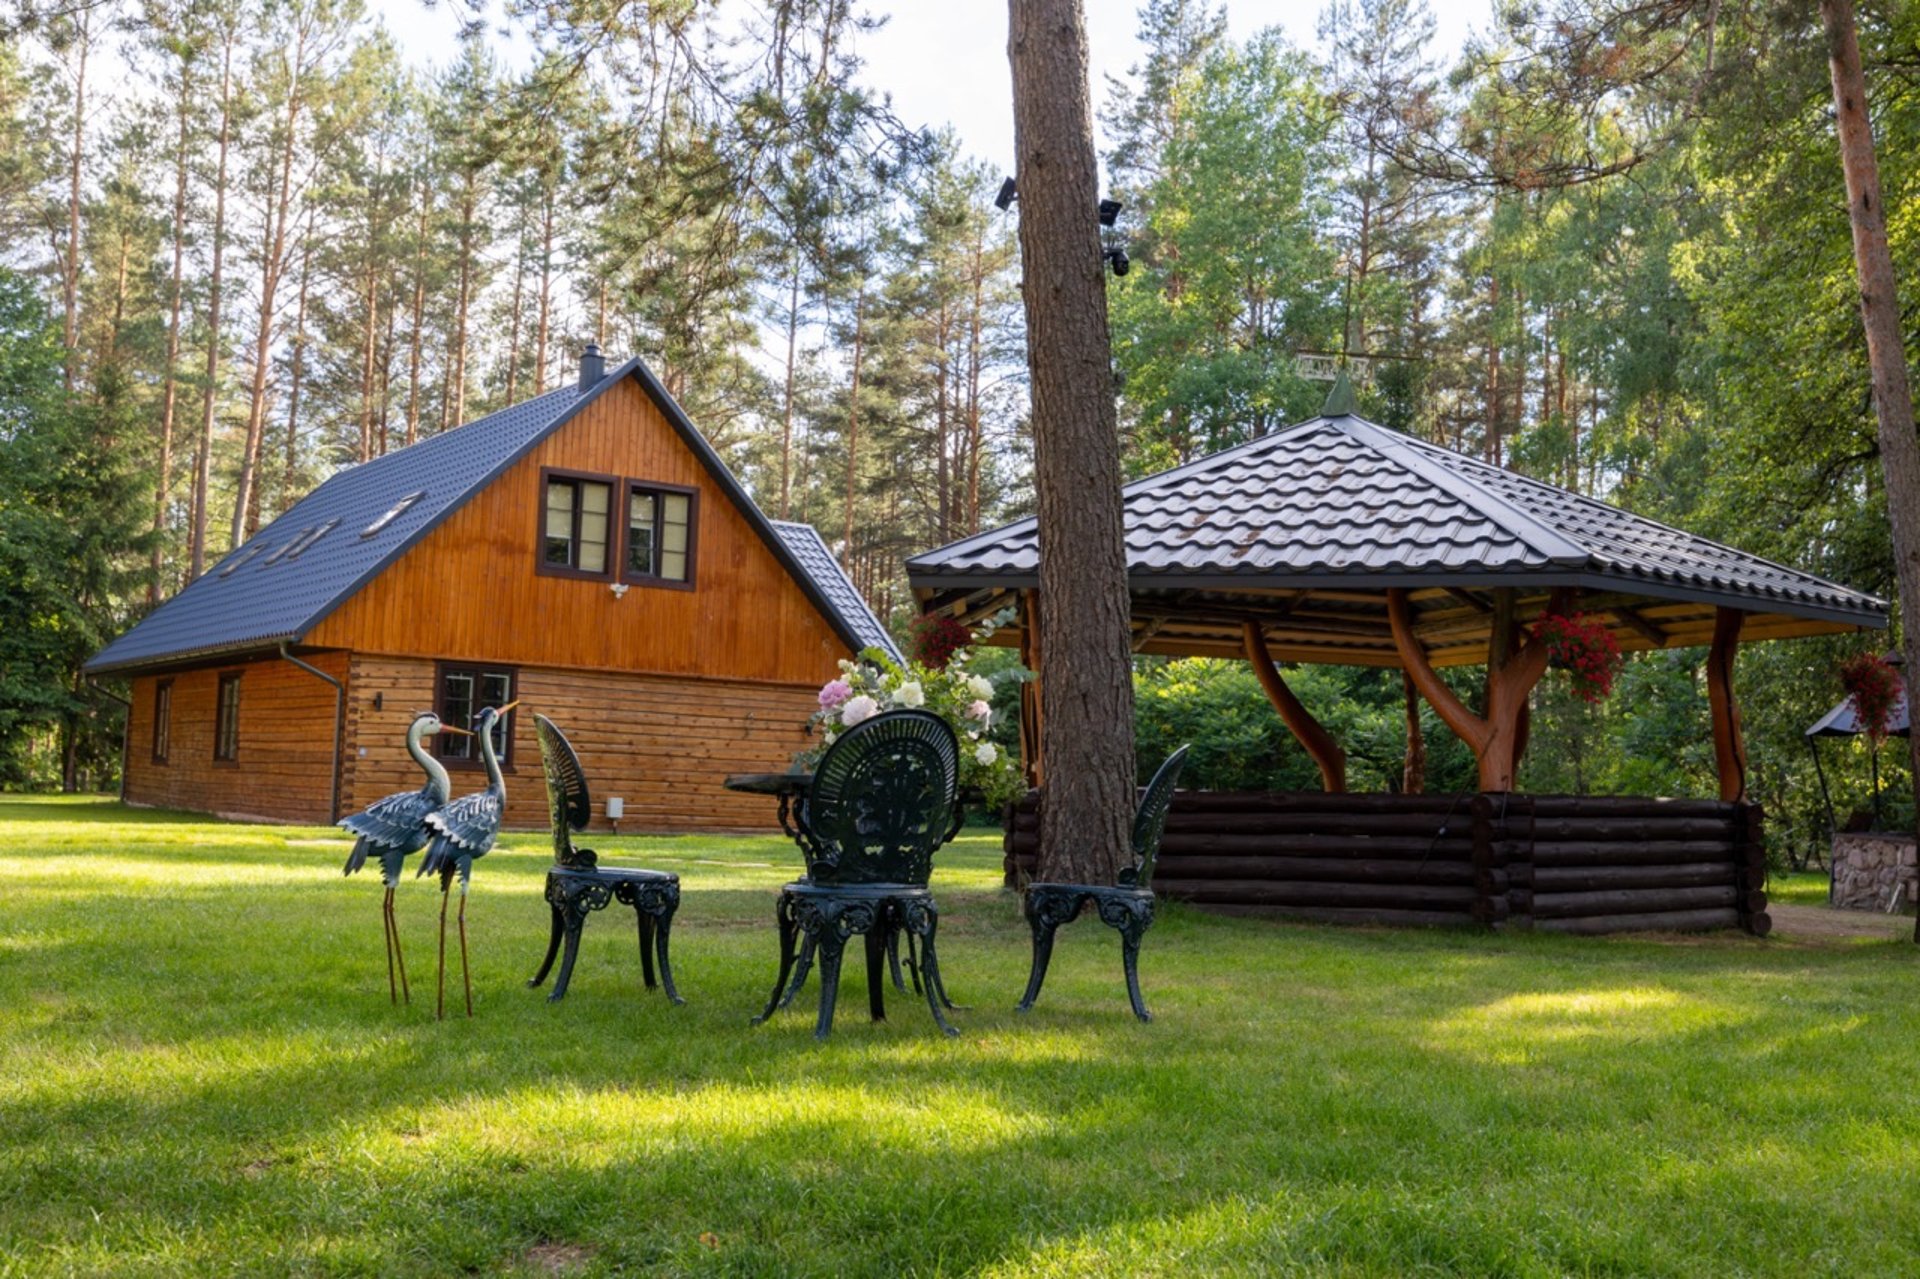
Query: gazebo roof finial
1340	400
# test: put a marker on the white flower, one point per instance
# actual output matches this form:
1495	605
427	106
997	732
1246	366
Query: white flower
858	709
981	687
986	752
978	710
910	694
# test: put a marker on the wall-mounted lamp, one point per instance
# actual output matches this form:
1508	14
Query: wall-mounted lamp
376	701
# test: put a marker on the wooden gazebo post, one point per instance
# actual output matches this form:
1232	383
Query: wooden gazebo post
1307	730
1030	761
1497	738
1729	743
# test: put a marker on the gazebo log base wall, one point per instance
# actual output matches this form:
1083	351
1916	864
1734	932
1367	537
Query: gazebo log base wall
1563	863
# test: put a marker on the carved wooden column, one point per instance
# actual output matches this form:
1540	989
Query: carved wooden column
1307	730
1494	738
1729	744
1030	760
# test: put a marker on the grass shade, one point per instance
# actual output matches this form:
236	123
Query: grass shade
200	1072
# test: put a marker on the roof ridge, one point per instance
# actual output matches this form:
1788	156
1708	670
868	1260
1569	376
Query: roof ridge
1146	483
1595	503
1408	452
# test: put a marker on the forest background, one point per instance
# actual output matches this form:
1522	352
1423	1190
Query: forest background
246	242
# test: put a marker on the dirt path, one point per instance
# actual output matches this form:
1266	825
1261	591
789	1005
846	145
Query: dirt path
1823	923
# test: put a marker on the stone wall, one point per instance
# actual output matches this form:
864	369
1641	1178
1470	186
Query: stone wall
1867	867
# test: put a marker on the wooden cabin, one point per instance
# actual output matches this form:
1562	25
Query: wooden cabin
585	553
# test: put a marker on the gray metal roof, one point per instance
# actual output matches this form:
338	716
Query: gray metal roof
811	550
1339	501
272	590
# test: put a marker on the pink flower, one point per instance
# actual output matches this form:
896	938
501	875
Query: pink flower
859	710
836	692
978	710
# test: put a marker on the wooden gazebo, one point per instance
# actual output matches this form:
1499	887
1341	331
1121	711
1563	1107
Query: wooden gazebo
1338	541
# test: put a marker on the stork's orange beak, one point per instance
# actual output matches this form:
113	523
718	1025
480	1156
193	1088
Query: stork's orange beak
448	728
509	706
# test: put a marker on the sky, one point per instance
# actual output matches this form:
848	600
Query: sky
945	61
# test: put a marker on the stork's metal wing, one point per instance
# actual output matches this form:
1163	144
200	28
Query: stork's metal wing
398	821
471	822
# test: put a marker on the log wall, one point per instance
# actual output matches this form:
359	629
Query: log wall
1575	864
663	744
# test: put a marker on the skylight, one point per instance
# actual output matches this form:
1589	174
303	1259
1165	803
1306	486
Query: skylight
245	557
301	543
298	538
394	512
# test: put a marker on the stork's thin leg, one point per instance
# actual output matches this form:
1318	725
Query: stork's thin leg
440	1000
465	978
399	955
386	931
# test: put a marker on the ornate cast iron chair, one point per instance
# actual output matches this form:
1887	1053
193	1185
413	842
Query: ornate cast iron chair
1126	907
883	800
578	885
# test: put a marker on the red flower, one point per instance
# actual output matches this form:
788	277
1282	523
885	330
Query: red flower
933	639
1873	690
1583	648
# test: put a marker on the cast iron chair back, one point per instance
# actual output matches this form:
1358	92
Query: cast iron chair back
883	800
1150	821
569	806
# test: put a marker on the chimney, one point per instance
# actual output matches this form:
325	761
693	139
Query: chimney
593	366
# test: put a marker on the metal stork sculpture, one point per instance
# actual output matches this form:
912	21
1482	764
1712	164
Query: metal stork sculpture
394	829
463	832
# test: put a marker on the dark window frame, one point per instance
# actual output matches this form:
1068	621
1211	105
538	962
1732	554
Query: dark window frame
615	543
627	490
226	747
162	719
478	670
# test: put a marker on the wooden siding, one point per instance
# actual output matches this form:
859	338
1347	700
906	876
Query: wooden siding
662	743
284	770
470	590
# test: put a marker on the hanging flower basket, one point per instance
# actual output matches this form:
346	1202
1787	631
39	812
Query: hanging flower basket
1584	648
933	639
1873	691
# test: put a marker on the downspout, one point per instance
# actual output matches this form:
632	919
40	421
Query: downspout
126	728
339	725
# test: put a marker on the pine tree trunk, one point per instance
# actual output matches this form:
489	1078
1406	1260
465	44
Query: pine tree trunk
289	478
454	410
415	333
544	334
1880	313
170	379
246	501
853	424
1088	686
786	414
70	268
203	447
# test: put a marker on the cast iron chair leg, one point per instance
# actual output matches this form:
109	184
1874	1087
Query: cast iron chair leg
1130	937
801	968
466	978
576	919
646	946
774	1001
553	949
931	963
831	947
893	961
1042	956
876	981
661	927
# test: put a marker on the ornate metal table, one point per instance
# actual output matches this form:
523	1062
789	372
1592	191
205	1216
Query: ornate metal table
791	790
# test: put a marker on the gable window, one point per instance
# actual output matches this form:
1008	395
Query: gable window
162	719
463	691
226	718
660	523
576	520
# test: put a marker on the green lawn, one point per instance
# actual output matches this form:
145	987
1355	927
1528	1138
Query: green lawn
200	1072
